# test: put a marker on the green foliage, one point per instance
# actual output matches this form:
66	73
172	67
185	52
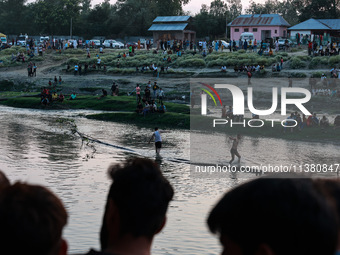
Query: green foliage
317	74
334	60
13	50
298	75
75	51
6	85
304	58
318	62
296	63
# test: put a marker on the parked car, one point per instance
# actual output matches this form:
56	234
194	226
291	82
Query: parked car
282	43
133	44
95	43
224	43
121	45
44	39
110	43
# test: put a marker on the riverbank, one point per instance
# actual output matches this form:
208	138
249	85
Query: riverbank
177	115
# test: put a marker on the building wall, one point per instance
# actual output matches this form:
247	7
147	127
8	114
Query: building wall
301	32
280	31
166	35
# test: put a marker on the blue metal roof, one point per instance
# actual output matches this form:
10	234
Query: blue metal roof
311	24
171	19
331	23
168	27
259	20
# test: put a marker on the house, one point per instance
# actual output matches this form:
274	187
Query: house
172	28
322	27
261	25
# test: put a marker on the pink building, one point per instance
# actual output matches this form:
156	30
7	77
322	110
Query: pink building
261	25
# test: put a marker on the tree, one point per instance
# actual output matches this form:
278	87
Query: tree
235	9
12	13
53	17
211	21
285	8
318	9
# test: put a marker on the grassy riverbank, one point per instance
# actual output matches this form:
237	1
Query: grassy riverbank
177	115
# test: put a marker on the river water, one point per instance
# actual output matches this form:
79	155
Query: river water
37	148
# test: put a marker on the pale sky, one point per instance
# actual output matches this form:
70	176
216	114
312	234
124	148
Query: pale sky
194	6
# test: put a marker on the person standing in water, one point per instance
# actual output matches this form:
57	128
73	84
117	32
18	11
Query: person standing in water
233	150
158	140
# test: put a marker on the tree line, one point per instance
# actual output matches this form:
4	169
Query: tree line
134	17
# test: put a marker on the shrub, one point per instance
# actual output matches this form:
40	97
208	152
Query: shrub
298	75
13	50
190	62
75	51
334	60
317	74
318	61
72	61
296	63
304	58
211	57
57	58
241	51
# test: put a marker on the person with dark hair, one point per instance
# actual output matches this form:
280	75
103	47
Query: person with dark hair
158	139
4	182
275	217
136	208
330	189
32	219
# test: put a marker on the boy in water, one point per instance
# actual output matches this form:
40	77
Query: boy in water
233	150
158	139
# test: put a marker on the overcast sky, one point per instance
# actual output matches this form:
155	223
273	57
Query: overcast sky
194	5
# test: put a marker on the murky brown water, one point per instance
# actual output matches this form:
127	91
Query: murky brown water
38	149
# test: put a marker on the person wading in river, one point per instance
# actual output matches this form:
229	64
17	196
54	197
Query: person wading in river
158	139
233	150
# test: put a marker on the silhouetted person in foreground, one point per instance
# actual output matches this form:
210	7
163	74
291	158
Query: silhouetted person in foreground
330	189
275	217
136	208
4	182
31	221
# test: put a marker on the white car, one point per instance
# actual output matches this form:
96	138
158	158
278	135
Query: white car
95	42
112	43
283	41
224	43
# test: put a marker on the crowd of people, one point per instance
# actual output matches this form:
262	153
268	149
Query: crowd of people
330	49
296	216
294	122
49	95
147	103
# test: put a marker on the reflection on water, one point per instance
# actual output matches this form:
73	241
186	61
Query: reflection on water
38	149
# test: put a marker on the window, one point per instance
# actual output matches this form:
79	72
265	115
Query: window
275	31
237	30
254	29
246	30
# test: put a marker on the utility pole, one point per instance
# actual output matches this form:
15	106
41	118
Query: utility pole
71	30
